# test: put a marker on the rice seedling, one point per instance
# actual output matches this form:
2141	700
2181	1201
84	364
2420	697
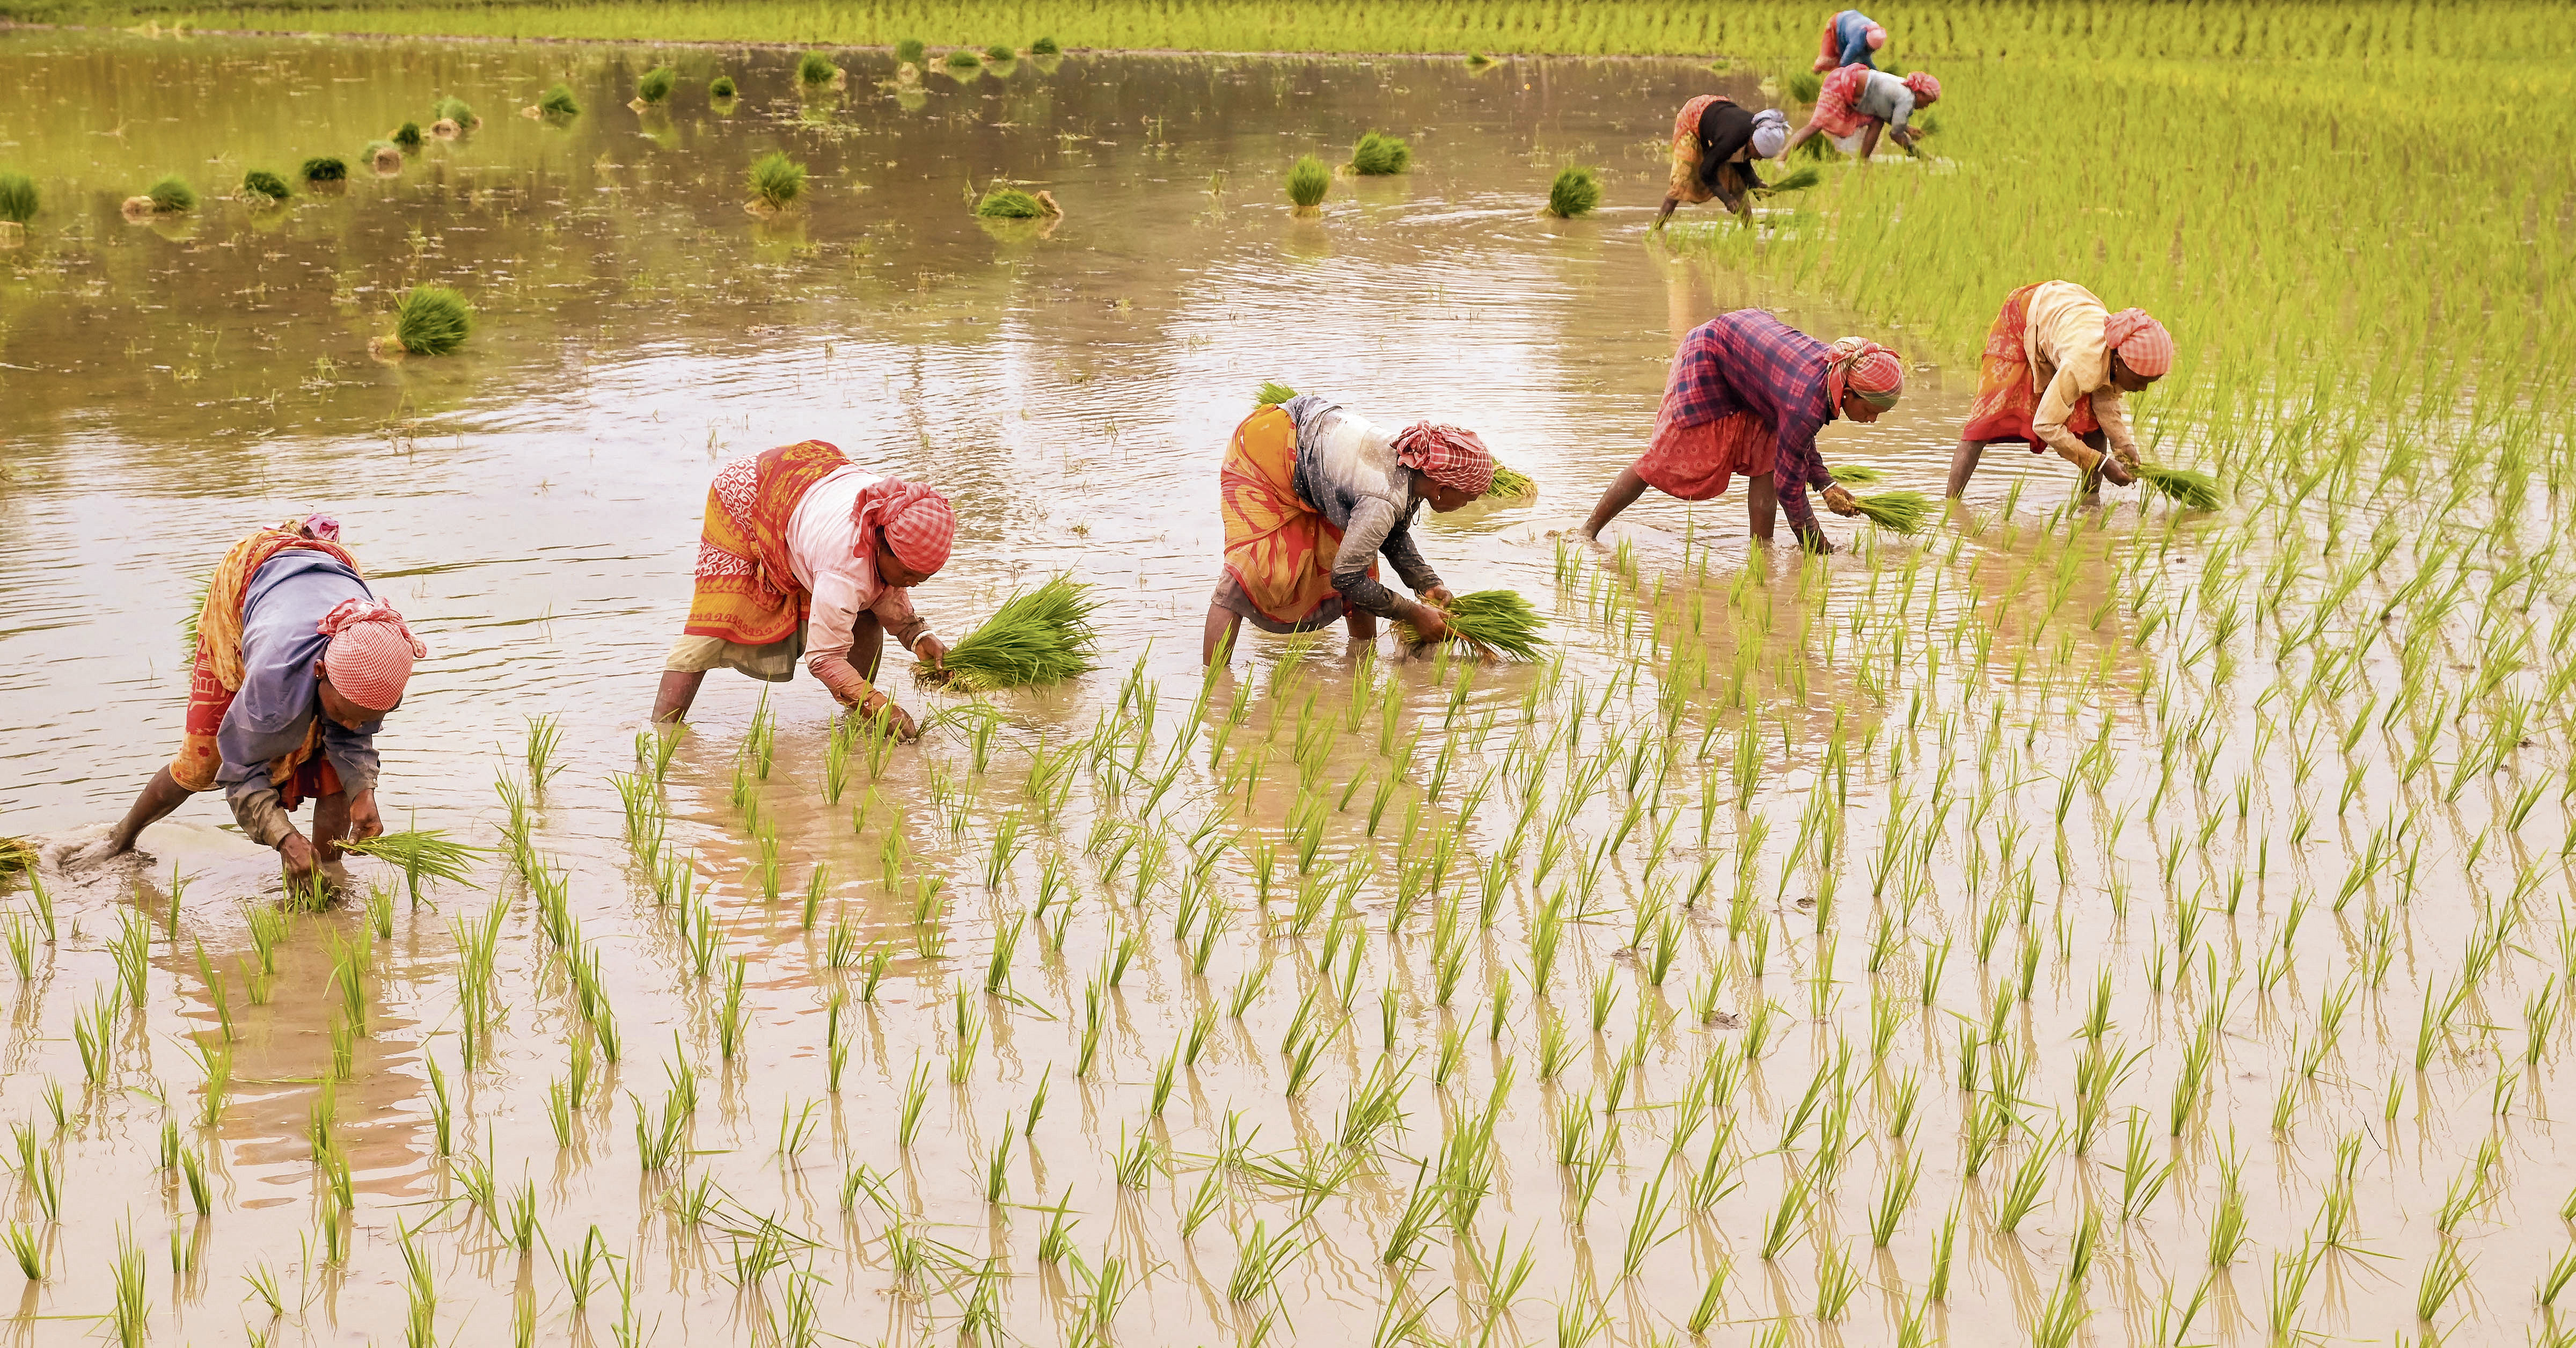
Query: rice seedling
1308	183
654	86
722	89
261	187
776	181
19	201
1376	154
1576	191
1010	203
815	68
1905	512
170	196
1037	636
558	101
1496	623
1044	46
2187	487
431	321
324	169
963	59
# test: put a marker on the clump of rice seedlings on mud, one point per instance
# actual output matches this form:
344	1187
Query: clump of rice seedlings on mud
722	88
385	158
911	51
1802	87
1798	179
429	321
451	118
1045	46
2187	487
1477	60
1576	191
16	855
1511	484
814	69
170	196
407	136
18	203
1010	203
776	182
1036	636
418	853
1308	181
1376	155
655	85
260	187
1906	512
324	169
1498	623
1000	53
962	59
559	102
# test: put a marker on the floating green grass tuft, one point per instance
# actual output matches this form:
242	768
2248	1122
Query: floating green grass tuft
559	102
815	68
912	51
325	169
452	109
777	180
1376	154
18	198
1308	181
1036	636
260	185
1495	622
172	194
1576	191
656	84
432	321
1906	512
1045	46
1009	203
2187	487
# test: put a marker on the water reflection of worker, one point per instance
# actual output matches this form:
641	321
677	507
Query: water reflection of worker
804	554
1313	495
1714	143
297	664
1747	395
1850	39
1859	100
2056	365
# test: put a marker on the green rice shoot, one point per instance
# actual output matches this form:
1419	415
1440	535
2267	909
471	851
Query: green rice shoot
17	854
172	194
1798	179
721	88
408	135
455	110
1044	46
912	51
1000	52
1377	154
559	102
1308	182
420	853
1802	86
325	169
1852	473
1272	394
1037	636
777	180
1510	484
263	186
18	198
1906	512
2187	487
962	59
432	321
656	84
1576	191
1498	623
815	68
1008	203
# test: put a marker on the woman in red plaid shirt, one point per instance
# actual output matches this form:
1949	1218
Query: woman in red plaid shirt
1747	395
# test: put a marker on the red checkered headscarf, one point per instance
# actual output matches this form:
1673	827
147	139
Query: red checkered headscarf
1927	90
1865	370
370	652
917	521
1449	455
2142	342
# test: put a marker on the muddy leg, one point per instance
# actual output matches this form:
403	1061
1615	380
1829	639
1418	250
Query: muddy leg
1761	507
1362	626
1218	640
160	796
679	689
1963	465
1621	494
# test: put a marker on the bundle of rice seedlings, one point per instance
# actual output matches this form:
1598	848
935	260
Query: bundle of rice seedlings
1576	191
1376	155
325	169
1849	473
1478	60
1798	179
1906	512
1821	148
407	135
962	59
1273	393
172	195
1009	203
452	109
559	102
17	854
432	321
1308	181
18	198
417	853
912	51
656	84
1510	484
776	180
1497	623
1036	636
998	53
721	87
1044	46
2186	487
263	188
384	157
1803	86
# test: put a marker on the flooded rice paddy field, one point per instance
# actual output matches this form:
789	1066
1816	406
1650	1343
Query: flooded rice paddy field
2073	924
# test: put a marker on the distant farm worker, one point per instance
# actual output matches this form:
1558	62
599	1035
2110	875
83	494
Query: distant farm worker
2056	366
805	554
1859	100
1714	144
297	664
1850	39
1747	395
1313	495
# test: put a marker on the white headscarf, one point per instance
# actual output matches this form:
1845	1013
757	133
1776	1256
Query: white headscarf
1770	133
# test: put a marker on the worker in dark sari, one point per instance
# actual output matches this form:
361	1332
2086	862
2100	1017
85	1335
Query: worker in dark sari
1715	141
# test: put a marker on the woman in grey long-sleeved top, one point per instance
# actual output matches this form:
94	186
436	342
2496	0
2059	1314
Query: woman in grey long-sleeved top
1313	496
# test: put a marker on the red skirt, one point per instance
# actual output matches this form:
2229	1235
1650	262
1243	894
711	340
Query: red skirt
2007	395
1835	112
1697	463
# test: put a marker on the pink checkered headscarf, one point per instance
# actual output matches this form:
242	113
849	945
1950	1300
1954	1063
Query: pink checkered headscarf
1927	90
1865	370
370	653
919	526
1452	456
2142	342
